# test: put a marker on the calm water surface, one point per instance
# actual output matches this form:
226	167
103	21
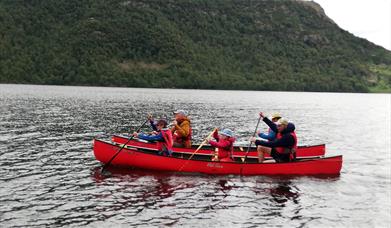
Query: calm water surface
49	177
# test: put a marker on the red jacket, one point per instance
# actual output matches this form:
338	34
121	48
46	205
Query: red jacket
225	146
166	144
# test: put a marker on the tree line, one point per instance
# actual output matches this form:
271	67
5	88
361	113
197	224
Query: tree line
220	44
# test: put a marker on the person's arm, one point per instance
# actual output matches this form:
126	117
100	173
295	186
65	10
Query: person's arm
158	137
216	135
270	136
220	144
269	123
153	125
182	130
152	122
284	141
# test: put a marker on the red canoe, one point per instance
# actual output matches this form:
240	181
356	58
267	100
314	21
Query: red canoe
302	151
149	159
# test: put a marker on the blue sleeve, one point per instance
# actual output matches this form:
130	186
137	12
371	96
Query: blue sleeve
158	137
286	141
153	125
271	136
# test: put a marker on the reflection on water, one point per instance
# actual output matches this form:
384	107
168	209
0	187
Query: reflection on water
266	198
49	177
283	193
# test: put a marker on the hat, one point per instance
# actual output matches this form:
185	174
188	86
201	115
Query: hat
227	132
183	112
276	115
282	121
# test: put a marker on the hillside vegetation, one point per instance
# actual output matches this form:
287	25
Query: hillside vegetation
208	44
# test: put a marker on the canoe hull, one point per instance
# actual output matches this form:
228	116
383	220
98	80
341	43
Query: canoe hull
147	159
302	151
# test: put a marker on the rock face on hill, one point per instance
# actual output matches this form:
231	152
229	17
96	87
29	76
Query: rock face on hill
219	44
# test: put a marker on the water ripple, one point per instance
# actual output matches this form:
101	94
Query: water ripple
49	177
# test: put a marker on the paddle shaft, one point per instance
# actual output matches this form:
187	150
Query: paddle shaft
255	131
202	144
123	146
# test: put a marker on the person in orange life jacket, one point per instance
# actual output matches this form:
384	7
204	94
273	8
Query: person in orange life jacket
271	135
283	148
181	130
162	136
224	142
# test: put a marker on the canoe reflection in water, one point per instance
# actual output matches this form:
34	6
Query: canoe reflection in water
169	198
154	184
151	188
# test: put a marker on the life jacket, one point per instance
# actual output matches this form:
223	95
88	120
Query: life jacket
279	149
166	145
186	140
225	154
285	150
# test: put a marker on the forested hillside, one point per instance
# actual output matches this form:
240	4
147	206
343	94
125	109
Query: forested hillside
209	44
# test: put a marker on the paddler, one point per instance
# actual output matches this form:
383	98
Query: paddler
270	135
283	148
181	129
224	142
162	136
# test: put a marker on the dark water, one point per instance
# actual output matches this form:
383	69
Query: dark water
49	177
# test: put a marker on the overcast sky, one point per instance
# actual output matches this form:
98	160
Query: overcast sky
369	19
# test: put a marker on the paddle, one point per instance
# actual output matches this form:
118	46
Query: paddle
123	146
248	148
199	147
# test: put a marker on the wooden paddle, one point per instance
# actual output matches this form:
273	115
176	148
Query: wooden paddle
199	147
123	146
248	148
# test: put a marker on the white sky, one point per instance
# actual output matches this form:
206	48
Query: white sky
369	19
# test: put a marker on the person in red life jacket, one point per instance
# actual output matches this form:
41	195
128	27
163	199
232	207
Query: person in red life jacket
224	142
162	136
283	148
270	135
181	130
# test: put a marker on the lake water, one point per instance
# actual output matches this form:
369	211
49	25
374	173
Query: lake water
49	177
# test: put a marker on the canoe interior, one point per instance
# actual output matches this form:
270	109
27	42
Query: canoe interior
208	147
207	157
